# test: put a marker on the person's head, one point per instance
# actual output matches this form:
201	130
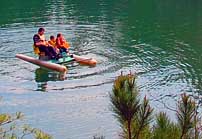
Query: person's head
52	38
59	35
41	31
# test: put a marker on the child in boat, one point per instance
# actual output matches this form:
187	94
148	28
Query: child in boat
52	42
62	44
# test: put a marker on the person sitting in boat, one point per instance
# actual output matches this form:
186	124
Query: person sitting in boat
52	42
62	44
41	46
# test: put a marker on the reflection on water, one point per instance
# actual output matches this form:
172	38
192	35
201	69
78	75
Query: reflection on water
43	76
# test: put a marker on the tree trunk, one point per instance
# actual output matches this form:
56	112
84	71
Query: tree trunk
129	130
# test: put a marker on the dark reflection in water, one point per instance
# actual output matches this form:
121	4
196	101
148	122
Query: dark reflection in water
43	76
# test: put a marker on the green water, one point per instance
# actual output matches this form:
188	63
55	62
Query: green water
158	40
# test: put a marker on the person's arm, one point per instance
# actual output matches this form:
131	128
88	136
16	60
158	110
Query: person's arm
67	45
38	41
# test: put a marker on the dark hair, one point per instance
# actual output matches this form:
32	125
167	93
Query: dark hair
59	34
41	29
52	37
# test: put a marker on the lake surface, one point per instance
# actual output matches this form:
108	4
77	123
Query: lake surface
160	41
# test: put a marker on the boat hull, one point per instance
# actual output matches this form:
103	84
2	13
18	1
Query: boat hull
45	64
55	64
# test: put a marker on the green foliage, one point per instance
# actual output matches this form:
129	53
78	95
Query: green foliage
164	128
8	126
37	133
41	135
144	118
10	130
135	116
186	116
125	102
4	118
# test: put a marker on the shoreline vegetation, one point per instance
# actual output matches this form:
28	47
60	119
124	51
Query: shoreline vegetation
11	129
135	116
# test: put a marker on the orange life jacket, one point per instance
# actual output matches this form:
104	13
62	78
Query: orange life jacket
62	43
52	42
